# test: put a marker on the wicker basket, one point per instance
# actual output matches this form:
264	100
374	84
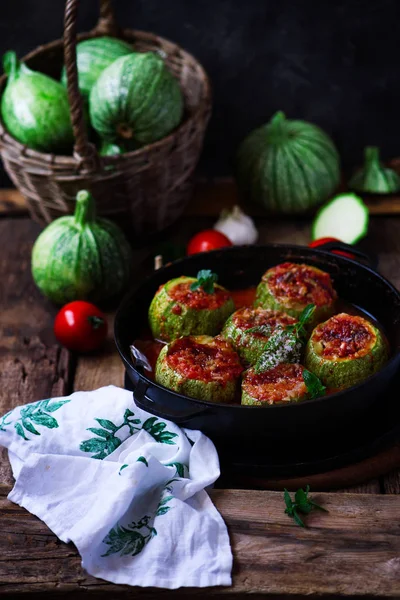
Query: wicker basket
148	187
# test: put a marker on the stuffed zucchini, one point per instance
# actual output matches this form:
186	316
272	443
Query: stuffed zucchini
189	306
249	329
290	287
345	350
283	383
201	367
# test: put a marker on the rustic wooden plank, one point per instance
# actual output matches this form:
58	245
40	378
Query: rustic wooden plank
104	367
12	203
352	550
32	366
210	198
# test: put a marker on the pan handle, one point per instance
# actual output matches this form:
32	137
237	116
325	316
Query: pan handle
369	260
147	404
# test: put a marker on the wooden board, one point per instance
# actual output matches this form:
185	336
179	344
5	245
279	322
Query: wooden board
352	550
32	365
210	198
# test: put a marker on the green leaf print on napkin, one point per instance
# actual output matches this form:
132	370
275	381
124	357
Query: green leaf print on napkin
156	429
107	440
128	540
180	468
3	422
35	414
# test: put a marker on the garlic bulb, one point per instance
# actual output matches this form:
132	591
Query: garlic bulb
237	226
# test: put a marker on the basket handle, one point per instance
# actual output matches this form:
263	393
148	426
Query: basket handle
83	149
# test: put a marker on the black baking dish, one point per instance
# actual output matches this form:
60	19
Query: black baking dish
238	268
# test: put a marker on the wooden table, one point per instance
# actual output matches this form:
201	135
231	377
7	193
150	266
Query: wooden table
352	550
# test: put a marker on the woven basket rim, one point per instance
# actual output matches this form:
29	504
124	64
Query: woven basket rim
203	106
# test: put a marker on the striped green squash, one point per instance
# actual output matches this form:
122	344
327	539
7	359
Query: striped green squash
35	109
374	177
136	98
81	257
92	57
287	166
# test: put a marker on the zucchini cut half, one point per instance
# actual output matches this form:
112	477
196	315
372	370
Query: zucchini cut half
249	329
201	367
345	217
176	311
290	287
345	350
282	384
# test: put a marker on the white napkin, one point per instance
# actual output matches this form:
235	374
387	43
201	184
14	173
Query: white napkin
139	514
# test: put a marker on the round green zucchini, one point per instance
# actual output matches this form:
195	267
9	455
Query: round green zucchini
81	257
283	384
92	57
290	287
136	98
288	166
201	367
374	177
249	329
35	109
177	311
345	350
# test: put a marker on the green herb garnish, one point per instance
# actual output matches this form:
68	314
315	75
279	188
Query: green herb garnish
282	347
299	328
314	385
205	280
302	503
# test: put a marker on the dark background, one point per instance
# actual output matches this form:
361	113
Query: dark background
334	63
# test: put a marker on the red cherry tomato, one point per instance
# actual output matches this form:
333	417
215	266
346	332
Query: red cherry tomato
206	240
325	240
80	326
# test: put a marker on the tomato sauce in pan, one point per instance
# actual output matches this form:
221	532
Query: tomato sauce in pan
301	283
204	362
346	335
151	348
198	299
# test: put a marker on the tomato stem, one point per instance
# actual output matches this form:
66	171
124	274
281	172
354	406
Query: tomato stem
96	322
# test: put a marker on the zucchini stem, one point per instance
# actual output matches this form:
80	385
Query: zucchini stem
11	64
277	129
371	154
85	210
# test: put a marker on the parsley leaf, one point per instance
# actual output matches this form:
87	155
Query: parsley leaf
299	328
314	385
205	279
302	503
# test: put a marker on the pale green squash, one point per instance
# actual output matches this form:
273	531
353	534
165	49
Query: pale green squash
81	257
136	98
35	109
287	166
92	57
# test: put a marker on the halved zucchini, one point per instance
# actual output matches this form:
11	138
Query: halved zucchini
281	384
290	287
201	367
345	217
177	311
345	350
249	329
